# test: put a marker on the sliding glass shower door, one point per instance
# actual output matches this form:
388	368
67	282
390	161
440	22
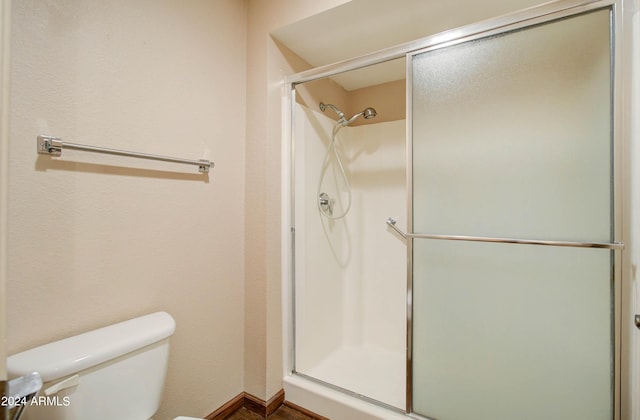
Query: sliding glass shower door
512	138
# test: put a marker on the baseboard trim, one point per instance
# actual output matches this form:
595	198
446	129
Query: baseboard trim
250	402
262	407
230	407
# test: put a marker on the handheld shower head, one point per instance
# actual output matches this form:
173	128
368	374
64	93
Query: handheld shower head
368	113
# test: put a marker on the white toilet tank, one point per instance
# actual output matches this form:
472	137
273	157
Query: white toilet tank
115	372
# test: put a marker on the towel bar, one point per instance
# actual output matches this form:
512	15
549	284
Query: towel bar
53	146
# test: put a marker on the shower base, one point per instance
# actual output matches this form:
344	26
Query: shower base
375	373
333	404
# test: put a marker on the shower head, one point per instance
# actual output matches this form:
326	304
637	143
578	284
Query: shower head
368	113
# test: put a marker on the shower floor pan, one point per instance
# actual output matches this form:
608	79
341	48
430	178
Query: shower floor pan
375	373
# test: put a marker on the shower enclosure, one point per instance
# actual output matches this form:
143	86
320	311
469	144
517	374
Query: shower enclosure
478	271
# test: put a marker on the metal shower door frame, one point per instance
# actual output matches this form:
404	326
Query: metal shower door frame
621	81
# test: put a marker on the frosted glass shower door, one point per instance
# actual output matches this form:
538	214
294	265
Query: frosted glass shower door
512	139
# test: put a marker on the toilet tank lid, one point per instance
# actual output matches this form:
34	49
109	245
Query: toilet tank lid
74	354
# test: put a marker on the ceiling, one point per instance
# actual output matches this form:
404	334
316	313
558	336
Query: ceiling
359	27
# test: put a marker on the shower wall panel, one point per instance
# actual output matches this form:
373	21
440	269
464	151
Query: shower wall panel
350	273
378	178
318	273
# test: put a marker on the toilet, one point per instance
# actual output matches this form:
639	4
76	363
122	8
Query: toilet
115	372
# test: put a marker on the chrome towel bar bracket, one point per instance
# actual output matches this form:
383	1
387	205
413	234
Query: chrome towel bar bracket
53	146
616	245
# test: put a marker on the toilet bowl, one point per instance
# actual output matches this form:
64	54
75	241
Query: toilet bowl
113	372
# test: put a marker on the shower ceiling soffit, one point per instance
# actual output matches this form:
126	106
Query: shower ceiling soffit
360	27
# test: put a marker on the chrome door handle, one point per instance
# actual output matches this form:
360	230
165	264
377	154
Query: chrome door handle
605	245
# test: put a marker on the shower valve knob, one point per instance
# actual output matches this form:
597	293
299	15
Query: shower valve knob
326	203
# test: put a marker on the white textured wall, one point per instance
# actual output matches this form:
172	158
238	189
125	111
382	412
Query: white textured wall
98	239
266	69
5	35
